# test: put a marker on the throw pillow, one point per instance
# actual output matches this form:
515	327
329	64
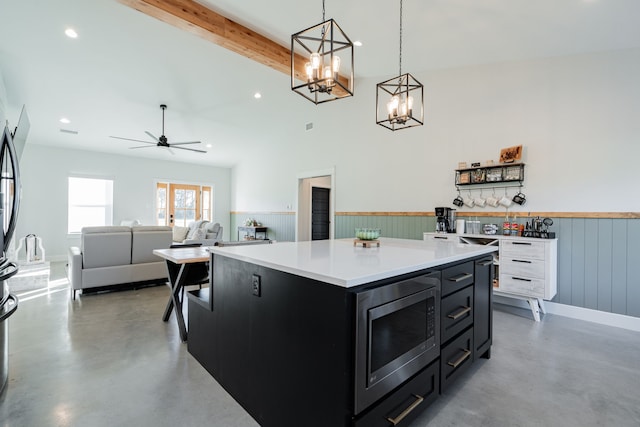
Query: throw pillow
200	234
179	233
194	226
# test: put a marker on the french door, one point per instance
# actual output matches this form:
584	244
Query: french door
180	204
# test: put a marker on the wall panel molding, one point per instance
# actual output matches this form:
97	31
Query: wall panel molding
598	252
519	214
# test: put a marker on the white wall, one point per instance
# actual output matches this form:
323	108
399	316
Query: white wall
577	118
44	171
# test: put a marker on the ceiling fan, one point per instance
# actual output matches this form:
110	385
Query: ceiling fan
162	141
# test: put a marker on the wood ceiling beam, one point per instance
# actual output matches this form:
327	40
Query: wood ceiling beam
197	19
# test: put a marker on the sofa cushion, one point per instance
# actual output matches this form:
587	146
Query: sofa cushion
147	238
105	246
179	233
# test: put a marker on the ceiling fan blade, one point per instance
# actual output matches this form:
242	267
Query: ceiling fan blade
167	149
190	149
184	143
142	146
134	140
151	135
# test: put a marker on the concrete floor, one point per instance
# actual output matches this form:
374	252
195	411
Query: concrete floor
109	360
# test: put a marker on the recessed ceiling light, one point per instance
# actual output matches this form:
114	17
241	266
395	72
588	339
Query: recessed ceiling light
71	33
209	145
357	43
257	95
65	121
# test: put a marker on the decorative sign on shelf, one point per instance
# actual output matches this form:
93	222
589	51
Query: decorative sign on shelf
511	154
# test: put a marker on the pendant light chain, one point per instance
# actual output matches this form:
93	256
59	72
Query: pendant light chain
322	10
400	66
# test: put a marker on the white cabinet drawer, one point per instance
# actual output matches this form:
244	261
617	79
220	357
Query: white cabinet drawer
522	267
522	249
522	286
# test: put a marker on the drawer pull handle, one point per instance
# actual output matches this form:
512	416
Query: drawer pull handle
521	260
460	278
460	359
397	420
521	243
438	237
485	263
521	279
464	310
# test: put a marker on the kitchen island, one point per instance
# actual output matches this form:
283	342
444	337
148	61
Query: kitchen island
278	327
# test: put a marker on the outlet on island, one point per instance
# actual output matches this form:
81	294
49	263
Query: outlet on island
255	284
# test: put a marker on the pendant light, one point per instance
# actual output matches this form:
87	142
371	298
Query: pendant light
322	62
399	101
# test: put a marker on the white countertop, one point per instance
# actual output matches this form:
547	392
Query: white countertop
341	263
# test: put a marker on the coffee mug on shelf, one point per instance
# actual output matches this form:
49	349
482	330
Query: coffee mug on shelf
480	202
458	201
505	201
469	202
493	201
519	198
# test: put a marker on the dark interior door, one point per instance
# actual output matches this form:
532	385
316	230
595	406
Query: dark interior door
319	213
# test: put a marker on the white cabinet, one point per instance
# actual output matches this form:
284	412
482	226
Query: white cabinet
526	268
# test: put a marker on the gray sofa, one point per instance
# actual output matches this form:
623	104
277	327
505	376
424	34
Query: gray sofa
115	255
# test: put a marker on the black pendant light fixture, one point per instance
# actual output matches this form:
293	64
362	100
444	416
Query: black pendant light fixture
399	101
322	62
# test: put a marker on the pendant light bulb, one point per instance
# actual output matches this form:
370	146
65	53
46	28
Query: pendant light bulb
392	106
336	64
315	60
309	70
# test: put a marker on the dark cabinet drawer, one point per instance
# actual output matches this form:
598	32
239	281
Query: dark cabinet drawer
456	358
456	313
457	277
403	405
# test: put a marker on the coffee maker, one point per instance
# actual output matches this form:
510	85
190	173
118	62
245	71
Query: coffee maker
445	220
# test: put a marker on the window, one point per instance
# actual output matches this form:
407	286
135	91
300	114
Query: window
90	203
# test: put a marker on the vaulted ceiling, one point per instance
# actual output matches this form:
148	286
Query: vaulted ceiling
125	63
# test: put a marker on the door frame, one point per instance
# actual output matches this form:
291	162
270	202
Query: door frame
303	214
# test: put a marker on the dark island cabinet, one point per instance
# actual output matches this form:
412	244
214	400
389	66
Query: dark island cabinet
284	345
283	350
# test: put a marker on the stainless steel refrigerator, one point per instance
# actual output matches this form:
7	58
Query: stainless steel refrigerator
9	202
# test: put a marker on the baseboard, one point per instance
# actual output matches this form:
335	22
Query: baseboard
580	313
